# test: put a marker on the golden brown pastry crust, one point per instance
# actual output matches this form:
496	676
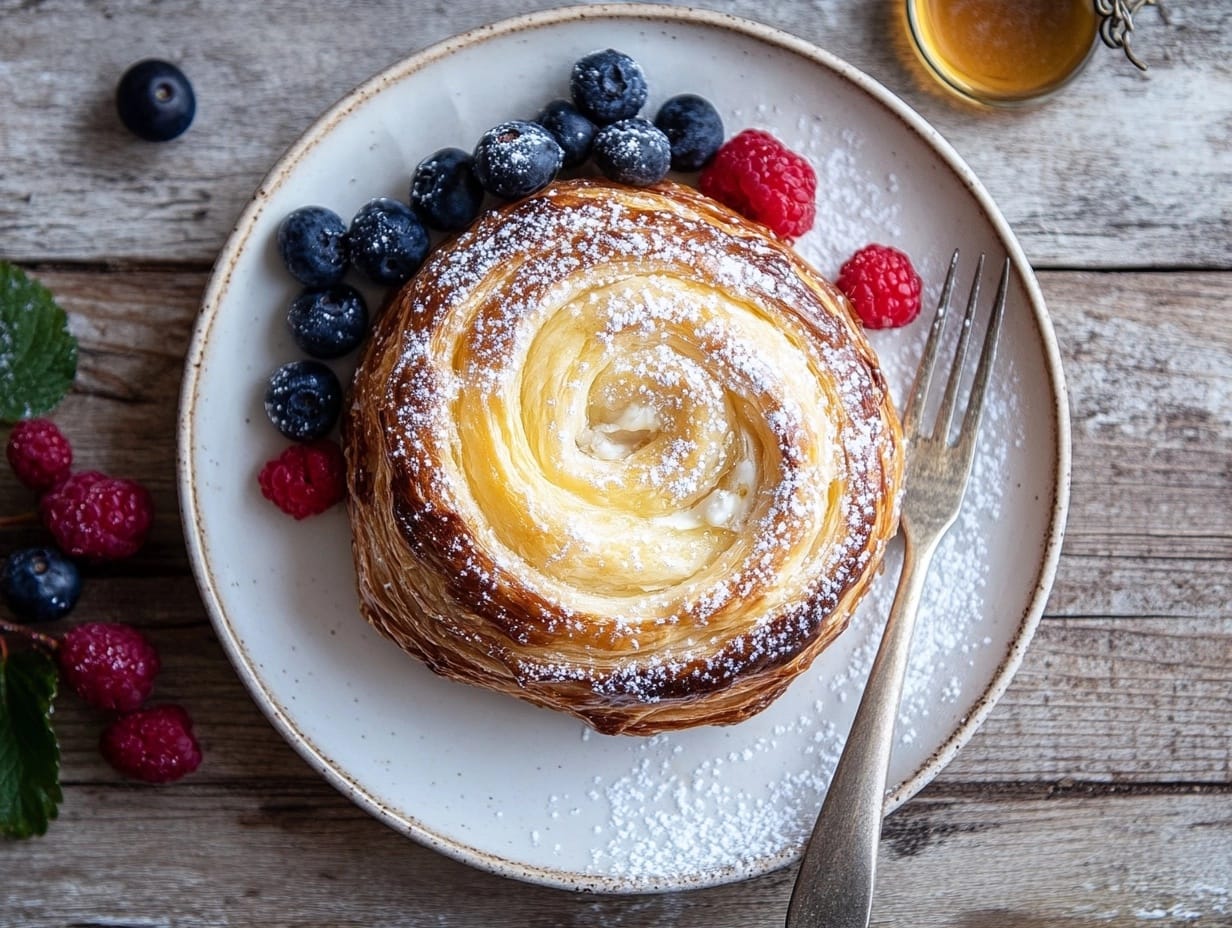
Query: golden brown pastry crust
619	452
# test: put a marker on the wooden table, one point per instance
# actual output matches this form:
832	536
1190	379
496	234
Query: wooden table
1099	792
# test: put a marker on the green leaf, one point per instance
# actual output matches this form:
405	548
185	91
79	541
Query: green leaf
29	753
38	354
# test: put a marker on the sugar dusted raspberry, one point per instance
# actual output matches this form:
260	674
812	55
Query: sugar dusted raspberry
98	517
39	454
109	665
882	285
761	178
154	745
306	479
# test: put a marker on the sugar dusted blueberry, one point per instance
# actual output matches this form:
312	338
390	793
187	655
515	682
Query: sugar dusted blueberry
693	127
328	322
516	159
573	132
632	151
303	400
445	191
387	241
312	242
607	86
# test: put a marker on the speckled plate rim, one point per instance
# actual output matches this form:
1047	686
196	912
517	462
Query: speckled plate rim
219	284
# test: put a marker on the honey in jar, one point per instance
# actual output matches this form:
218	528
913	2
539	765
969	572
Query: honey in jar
1003	52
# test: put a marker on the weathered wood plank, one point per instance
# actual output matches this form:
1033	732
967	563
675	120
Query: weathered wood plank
1149	367
1121	170
311	859
1118	700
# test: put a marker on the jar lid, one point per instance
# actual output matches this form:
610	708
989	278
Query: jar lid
1116	24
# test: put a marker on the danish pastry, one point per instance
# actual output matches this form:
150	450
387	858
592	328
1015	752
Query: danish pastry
619	452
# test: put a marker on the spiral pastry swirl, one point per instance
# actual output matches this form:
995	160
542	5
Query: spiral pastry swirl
621	453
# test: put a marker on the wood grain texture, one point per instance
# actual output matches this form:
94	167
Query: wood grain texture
306	857
1121	170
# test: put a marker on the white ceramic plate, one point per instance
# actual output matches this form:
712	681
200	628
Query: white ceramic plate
530	793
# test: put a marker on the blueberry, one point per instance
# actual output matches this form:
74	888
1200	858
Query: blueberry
312	242
328	322
387	241
632	151
694	127
517	158
155	100
573	131
303	400
40	584
445	191
608	85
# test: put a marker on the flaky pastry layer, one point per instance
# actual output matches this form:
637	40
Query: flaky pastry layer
622	453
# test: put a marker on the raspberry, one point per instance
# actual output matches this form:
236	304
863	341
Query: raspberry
764	180
39	454
109	665
882	285
155	745
99	517
306	479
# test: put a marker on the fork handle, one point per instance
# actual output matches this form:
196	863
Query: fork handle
834	888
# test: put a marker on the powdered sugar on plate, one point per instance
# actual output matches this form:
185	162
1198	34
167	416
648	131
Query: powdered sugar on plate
529	793
687	803
854	205
688	799
670	814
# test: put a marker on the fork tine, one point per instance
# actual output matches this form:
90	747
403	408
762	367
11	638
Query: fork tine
924	373
945	415
975	406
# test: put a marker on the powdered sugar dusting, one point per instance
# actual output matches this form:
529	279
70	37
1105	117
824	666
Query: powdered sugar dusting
680	802
683	801
669	816
855	205
748	439
532	792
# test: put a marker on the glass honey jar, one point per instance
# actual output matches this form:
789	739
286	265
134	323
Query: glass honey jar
1003	52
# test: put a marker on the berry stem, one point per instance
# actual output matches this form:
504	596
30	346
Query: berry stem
49	642
22	518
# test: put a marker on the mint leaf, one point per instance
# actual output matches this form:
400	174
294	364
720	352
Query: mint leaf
38	354
29	753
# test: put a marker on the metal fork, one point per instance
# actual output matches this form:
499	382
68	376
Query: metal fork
834	888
